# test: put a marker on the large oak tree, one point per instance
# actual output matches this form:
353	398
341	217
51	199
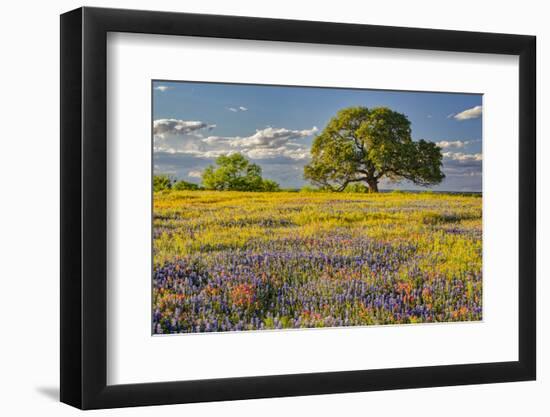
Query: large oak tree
366	145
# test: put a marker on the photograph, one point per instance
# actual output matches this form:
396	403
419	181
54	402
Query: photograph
323	203
297	207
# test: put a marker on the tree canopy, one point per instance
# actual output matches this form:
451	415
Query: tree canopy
235	173
365	145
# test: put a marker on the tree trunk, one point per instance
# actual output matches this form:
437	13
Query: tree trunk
373	186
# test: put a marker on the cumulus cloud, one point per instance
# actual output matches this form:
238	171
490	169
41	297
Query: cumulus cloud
473	113
463	171
459	156
269	153
162	88
242	108
272	137
183	136
173	136
178	127
265	143
446	144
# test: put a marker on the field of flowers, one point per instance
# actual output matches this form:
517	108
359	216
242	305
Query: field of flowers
228	261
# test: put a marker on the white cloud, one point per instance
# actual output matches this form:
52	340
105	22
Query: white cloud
194	174
177	136
466	168
265	143
272	137
237	109
213	153
216	140
162	88
174	136
463	157
163	127
472	113
296	154
445	144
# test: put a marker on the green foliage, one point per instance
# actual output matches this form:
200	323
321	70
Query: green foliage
309	189
356	188
270	186
166	183
184	185
365	145
162	182
313	189
235	173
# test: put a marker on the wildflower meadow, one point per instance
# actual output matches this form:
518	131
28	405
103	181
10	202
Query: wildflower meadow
235	261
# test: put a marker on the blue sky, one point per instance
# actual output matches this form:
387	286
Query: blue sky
274	126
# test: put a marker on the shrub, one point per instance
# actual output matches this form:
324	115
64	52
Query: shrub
184	185
270	186
310	189
162	182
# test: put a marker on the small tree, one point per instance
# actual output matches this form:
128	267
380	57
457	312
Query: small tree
366	145
162	182
234	172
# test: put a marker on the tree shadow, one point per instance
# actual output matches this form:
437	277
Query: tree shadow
50	392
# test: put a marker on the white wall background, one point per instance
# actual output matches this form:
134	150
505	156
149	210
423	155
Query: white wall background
29	220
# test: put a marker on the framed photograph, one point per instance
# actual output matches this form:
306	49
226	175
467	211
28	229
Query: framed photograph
257	208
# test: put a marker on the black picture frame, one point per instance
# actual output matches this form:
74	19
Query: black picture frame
84	207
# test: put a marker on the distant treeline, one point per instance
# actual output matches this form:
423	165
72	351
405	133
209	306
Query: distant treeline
166	182
231	173
163	182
